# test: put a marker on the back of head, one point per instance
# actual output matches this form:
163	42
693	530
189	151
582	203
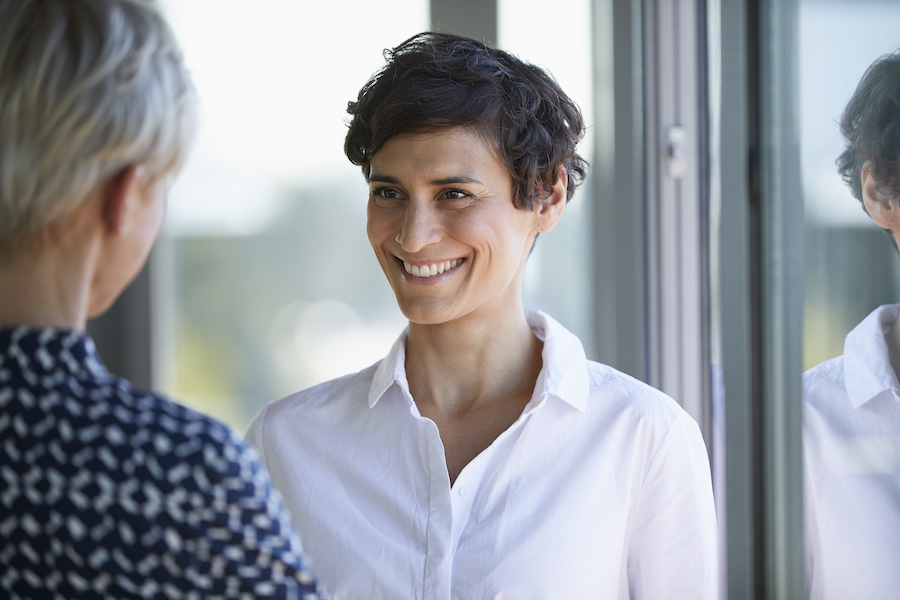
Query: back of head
435	80
87	87
871	128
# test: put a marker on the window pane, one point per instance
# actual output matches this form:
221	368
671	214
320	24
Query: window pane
266	280
559	275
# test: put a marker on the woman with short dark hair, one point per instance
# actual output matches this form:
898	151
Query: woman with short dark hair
484	457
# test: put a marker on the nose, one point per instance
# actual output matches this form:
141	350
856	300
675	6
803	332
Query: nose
421	226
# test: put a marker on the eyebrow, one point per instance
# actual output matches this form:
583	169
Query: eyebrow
377	177
382	178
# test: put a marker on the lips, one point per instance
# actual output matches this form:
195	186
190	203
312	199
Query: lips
432	269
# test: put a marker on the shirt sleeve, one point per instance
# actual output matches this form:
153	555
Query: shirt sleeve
673	549
240	540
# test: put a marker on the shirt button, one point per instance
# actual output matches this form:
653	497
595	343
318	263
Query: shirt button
463	492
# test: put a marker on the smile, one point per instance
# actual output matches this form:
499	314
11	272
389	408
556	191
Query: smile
432	269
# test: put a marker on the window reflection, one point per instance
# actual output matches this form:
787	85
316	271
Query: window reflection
851	416
265	268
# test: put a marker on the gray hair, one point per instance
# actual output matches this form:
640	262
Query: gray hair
87	88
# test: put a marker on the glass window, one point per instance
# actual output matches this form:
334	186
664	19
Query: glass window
559	275
265	280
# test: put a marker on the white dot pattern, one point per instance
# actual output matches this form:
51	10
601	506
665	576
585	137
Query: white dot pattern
109	492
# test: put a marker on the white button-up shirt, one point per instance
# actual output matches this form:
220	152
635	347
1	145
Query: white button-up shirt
851	441
601	489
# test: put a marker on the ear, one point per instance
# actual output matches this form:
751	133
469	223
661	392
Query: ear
884	209
550	209
118	199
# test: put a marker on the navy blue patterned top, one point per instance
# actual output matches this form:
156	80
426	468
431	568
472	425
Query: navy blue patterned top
109	492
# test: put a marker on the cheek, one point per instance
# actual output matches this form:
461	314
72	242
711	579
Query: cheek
379	226
372	230
500	234
507	246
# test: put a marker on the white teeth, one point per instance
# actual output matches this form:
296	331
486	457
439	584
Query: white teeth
430	270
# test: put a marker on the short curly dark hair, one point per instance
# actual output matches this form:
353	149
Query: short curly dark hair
436	80
871	128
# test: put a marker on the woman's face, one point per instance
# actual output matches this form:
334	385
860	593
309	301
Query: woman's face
463	245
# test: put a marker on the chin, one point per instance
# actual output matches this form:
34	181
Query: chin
421	313
426	321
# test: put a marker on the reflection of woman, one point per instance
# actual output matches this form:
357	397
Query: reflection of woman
484	457
851	417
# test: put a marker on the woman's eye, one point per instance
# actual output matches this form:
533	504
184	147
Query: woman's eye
455	194
387	193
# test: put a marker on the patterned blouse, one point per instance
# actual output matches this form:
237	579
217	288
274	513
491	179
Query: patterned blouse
110	492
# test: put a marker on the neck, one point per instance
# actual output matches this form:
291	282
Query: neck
464	364
892	339
49	287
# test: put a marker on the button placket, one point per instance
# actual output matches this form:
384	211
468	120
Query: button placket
439	533
462	495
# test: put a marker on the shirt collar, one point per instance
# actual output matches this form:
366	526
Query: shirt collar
47	351
392	369
867	365
564	374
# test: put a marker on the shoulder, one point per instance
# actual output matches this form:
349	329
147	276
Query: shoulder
610	393
144	465
100	409
138	435
826	402
162	414
828	375
614	392
346	393
55	382
176	437
211	482
641	423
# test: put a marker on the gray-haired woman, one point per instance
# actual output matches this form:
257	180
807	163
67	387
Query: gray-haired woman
107	491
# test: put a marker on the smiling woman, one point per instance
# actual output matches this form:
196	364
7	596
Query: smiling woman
484	457
450	198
